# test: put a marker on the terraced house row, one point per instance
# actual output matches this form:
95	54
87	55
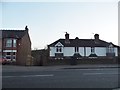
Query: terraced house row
80	48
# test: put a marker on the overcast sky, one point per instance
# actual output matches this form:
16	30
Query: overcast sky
48	21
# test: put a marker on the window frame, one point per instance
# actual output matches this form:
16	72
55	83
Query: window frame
8	53
14	42
76	49
8	42
58	49
110	49
92	50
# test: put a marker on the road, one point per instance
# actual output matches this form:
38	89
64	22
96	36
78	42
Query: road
62	78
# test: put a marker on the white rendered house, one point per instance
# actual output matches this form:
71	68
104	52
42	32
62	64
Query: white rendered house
82	48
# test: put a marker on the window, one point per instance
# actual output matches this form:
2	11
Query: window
58	49
8	57
13	53
8	53
110	49
92	50
14	42
77	49
14	57
9	43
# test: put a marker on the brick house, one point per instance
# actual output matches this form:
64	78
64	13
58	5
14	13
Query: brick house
16	46
82	49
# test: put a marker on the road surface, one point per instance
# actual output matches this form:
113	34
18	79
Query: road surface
62	78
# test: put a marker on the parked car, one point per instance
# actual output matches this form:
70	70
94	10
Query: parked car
3	60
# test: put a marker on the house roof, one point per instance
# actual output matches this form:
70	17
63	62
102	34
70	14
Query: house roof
13	33
82	43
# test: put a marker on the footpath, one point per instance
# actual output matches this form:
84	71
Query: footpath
14	68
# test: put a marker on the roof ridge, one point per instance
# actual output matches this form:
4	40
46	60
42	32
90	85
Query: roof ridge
82	42
10	30
13	33
75	39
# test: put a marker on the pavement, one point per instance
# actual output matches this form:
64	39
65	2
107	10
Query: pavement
13	68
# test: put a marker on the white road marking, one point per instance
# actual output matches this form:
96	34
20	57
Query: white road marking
116	89
99	73
94	69
49	75
90	69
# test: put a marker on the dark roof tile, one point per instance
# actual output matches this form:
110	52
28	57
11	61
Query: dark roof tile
82	43
13	33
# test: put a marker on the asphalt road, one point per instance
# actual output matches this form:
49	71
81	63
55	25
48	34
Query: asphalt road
63	78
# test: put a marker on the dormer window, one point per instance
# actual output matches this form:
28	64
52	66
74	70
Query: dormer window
110	49
59	47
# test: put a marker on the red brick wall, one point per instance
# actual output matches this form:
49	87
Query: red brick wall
23	50
0	46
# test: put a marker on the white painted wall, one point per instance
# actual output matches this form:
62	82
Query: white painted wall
69	51
81	51
116	51
52	51
100	51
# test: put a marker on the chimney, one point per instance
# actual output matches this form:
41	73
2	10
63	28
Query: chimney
67	38
26	28
96	36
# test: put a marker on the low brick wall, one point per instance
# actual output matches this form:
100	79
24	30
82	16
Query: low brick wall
97	61
58	62
82	61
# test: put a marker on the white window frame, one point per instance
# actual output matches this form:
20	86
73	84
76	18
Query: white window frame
14	42
9	43
76	49
92	50
58	48
111	49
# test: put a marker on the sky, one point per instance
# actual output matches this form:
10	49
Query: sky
48	21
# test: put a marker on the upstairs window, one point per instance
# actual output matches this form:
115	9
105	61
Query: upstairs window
92	50
76	49
14	42
9	43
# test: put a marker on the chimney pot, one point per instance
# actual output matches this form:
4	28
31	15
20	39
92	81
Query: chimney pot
67	38
96	36
26	28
